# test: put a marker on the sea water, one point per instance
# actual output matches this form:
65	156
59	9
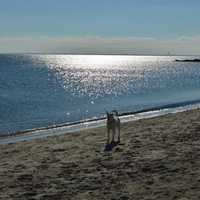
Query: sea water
43	90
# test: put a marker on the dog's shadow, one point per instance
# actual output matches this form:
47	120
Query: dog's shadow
110	146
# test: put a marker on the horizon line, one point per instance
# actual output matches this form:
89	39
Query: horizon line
103	54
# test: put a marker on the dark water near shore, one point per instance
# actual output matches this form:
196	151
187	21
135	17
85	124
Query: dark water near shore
42	90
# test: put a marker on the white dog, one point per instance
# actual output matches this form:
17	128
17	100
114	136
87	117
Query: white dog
113	124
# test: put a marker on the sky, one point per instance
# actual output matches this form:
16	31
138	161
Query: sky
100	26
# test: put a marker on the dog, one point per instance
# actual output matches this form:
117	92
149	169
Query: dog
113	124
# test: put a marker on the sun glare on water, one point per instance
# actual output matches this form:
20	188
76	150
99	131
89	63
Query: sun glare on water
97	76
96	61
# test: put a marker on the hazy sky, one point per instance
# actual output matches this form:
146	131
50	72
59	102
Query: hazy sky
100	26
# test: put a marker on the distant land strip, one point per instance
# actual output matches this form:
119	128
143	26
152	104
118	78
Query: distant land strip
188	60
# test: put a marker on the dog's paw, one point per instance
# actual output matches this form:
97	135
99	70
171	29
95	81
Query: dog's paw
118	142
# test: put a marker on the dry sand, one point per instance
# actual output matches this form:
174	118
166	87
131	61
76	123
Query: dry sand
159	159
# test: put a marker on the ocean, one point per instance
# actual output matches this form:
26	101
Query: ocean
44	90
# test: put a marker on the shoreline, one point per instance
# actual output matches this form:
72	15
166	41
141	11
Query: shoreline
159	158
65	128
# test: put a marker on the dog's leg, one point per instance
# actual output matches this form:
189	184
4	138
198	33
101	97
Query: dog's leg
113	134
108	135
119	127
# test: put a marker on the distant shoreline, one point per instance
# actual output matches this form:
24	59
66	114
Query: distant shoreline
188	60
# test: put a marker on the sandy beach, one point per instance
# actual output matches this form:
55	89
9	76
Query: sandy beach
158	158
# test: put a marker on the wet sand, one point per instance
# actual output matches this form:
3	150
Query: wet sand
159	158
